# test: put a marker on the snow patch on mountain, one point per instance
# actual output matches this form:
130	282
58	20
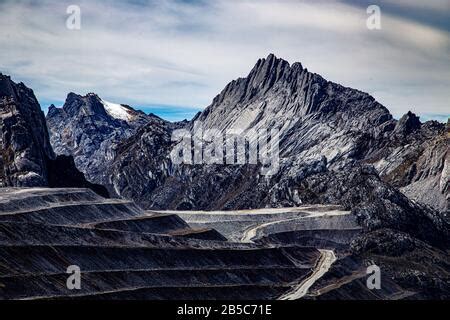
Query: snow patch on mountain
117	111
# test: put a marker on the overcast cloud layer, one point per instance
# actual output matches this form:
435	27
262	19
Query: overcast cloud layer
173	57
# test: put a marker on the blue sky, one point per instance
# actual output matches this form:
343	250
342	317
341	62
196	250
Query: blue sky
172	57
168	112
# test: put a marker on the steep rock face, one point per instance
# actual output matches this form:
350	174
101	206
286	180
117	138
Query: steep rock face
26	156
25	146
143	161
89	129
414	158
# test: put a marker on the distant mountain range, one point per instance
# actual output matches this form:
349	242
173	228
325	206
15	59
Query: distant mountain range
324	127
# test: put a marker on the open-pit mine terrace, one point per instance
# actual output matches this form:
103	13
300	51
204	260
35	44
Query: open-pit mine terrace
125	252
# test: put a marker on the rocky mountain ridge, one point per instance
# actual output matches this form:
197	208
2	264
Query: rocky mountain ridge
89	129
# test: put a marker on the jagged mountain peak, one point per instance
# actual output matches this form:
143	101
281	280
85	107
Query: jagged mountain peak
268	71
53	110
272	61
408	123
89	128
92	104
4	76
276	93
13	91
266	65
88	105
24	144
265	73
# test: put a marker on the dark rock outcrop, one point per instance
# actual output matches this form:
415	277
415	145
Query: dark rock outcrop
26	156
408	123
62	173
25	146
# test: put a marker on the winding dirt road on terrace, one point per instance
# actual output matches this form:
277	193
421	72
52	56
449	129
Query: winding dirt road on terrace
252	232
326	259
